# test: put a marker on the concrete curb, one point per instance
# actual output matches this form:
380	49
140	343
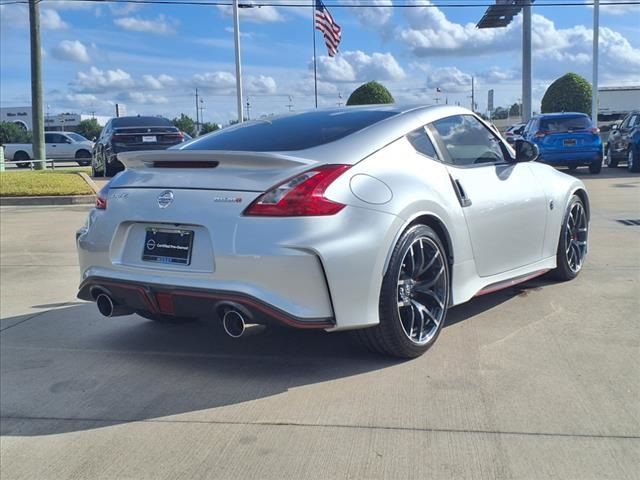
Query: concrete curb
48	200
90	182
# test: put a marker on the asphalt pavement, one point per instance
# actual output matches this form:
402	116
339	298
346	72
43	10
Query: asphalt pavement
537	381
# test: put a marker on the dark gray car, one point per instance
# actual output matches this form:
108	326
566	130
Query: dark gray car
623	143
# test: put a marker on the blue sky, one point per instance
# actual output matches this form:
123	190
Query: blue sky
152	57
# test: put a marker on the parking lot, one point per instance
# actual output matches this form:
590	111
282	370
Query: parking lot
536	381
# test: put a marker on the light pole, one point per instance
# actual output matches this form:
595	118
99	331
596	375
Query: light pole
236	35
594	79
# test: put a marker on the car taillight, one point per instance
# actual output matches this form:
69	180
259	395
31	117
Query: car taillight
101	198
117	138
541	134
300	196
594	130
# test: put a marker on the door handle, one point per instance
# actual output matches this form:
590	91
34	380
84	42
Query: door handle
464	200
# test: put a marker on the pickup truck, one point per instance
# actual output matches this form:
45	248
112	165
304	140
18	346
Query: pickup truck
58	146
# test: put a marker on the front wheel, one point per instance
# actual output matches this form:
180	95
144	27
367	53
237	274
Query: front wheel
414	296
633	162
83	158
611	163
572	245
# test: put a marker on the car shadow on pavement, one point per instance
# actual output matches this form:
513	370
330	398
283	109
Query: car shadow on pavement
69	369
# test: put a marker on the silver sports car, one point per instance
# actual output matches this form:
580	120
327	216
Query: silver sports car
375	219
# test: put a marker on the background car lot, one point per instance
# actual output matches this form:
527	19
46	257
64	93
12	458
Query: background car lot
532	382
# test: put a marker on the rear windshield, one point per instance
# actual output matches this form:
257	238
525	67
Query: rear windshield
565	124
141	122
289	133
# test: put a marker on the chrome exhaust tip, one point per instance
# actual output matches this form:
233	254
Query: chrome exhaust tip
104	304
233	323
108	308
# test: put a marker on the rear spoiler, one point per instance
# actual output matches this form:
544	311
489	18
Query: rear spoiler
210	159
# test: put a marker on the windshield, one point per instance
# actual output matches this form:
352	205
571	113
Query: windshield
565	124
76	137
290	133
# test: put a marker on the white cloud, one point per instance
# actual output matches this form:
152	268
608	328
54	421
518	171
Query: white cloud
449	79
50	20
374	14
259	84
265	14
144	98
358	66
159	82
619	8
498	75
97	81
225	82
86	101
14	16
71	50
160	25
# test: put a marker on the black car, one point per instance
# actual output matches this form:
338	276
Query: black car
623	144
126	134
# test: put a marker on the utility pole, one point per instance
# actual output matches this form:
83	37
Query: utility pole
236	38
36	85
248	110
201	113
473	94
594	79
290	104
526	63
197	111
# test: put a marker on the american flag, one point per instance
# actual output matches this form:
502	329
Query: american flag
330	30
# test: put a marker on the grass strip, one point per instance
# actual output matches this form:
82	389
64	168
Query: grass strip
39	183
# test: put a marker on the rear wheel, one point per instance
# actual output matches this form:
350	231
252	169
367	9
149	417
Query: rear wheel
633	162
572	168
414	297
610	162
572	245
22	156
596	165
83	157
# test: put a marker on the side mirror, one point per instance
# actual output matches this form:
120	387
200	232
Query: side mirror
526	151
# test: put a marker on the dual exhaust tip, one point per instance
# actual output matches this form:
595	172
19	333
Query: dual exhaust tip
233	320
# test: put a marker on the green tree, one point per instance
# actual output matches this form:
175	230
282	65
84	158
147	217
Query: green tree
208	127
569	93
370	93
185	124
514	110
11	132
89	128
500	113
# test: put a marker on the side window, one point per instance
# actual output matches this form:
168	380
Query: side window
468	142
56	138
421	142
48	138
633	121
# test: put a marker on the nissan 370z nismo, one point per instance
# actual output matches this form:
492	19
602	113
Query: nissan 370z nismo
375	219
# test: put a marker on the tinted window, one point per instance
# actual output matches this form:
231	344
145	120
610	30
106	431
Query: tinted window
76	137
467	141
294	132
565	124
421	142
54	138
141	122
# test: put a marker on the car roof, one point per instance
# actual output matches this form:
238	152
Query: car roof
561	114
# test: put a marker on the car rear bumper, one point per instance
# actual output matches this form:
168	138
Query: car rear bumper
192	302
583	157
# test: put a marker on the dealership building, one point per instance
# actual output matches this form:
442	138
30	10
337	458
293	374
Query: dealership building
60	122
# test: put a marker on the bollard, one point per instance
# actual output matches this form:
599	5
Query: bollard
1	158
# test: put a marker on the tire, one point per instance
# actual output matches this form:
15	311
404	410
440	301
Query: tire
166	319
94	171
596	166
572	244
610	161
83	158
22	156
633	162
572	168
414	297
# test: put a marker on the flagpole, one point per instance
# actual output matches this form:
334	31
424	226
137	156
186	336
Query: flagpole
315	71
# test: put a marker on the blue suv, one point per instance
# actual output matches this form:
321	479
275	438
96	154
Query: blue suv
566	140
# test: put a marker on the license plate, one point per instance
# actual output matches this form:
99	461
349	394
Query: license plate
149	138
168	246
570	142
